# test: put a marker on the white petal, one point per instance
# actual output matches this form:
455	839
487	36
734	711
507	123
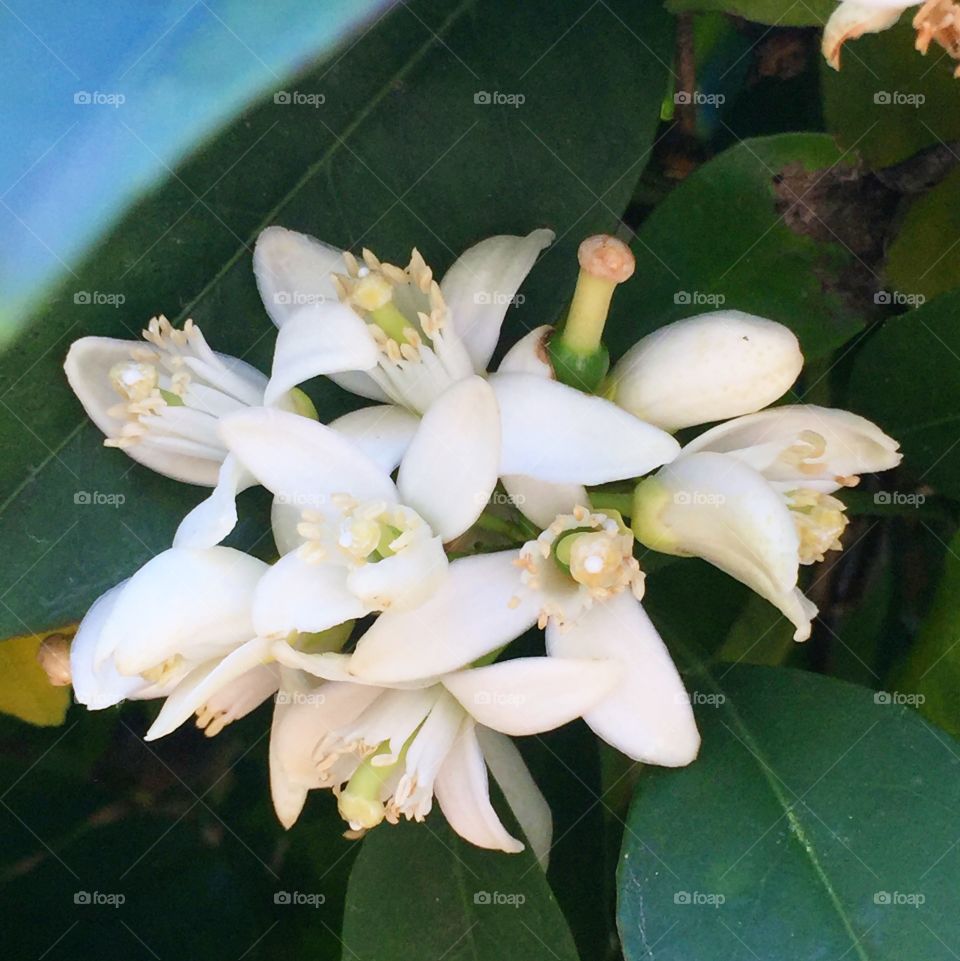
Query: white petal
559	434
332	666
203	683
464	795
647	715
852	19
301	720
715	507
530	695
854	445
195	603
301	461
98	686
705	368
362	384
216	516
469	616
393	717
238	698
528	804
295	595
322	339
403	581
293	270
541	501
87	368
285	519
481	285
450	469
382	432
529	355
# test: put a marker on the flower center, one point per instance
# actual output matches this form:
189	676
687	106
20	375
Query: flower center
580	559
363	533
162	672
407	316
820	522
173	391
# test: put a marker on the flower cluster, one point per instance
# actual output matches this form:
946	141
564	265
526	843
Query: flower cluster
420	535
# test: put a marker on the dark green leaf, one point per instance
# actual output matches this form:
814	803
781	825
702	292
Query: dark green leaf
887	102
774	12
907	379
819	822
417	890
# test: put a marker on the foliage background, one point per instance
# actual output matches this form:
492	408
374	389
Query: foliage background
824	201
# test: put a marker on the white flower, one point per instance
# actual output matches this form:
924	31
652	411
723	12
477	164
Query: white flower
387	751
936	20
383	332
706	368
161	403
580	580
753	497
182	628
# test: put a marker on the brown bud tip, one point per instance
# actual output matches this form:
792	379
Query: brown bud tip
54	657
605	256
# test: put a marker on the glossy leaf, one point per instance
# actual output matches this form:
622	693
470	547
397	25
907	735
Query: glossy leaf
817	823
921	347
455	901
774	12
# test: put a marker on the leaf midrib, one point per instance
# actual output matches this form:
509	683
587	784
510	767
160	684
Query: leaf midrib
311	171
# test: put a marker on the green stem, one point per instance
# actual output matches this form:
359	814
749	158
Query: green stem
606	500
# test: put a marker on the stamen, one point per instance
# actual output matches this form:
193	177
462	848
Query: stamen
820	522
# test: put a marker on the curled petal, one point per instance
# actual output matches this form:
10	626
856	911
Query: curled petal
529	355
647	714
293	270
481	285
319	339
463	793
403	581
216	516
853	19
